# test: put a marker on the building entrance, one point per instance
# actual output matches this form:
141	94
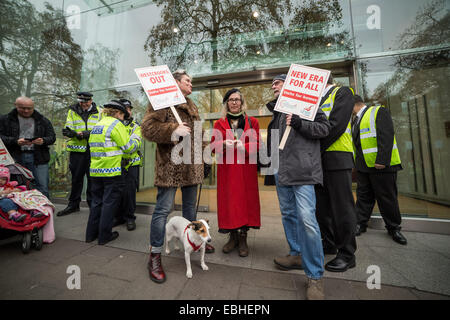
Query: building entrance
208	95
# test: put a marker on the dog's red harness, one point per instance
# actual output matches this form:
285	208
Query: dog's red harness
193	245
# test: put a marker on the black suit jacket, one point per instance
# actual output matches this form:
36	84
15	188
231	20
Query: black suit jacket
339	118
385	142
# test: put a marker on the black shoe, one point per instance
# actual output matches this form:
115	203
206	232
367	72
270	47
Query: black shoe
131	225
397	236
114	236
67	210
360	229
340	265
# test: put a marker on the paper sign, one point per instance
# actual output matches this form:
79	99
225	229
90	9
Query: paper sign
302	91
160	86
5	157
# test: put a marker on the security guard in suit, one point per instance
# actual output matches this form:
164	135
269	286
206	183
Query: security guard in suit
108	141
81	118
335	210
131	174
377	162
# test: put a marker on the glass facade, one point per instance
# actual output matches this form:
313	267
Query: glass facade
394	53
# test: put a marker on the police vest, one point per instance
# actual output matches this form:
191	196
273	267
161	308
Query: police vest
134	130
75	122
344	143
368	135
108	141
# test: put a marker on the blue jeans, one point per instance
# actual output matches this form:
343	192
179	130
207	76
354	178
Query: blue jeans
298	211
7	205
40	172
164	204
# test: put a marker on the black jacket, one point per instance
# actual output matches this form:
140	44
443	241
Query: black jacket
10	131
385	141
269	180
300	161
339	118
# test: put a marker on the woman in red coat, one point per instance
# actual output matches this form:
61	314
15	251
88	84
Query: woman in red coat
235	141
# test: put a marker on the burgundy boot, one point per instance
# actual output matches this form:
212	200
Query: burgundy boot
154	266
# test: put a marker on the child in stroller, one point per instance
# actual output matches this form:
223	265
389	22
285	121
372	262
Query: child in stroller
6	204
33	219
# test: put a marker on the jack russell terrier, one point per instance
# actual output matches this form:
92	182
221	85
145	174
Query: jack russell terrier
193	235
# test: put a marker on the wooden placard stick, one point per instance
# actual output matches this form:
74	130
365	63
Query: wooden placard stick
177	116
285	137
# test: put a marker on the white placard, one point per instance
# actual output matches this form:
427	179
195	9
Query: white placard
302	91
5	157
160	86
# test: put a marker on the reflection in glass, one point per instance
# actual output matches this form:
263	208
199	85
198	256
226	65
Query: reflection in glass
215	36
415	89
388	26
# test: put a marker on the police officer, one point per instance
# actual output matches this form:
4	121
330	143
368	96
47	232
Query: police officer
335	204
108	141
131	174
377	161
81	118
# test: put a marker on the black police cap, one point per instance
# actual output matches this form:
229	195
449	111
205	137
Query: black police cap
115	104
85	96
126	103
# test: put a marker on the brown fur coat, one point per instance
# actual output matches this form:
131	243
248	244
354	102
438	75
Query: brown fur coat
158	127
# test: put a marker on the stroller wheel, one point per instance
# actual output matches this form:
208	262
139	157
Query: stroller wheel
26	242
39	239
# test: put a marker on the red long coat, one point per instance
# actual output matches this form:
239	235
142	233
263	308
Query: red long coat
237	183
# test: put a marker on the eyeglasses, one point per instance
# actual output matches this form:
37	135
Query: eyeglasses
234	100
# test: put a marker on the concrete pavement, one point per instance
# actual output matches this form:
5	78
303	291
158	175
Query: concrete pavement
417	271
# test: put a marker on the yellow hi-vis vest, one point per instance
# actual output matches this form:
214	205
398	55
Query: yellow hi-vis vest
368	135
134	130
108	140
76	123
344	143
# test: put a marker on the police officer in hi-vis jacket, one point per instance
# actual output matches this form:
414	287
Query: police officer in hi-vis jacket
108	141
81	118
131	174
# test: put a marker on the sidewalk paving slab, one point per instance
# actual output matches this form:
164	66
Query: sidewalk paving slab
118	270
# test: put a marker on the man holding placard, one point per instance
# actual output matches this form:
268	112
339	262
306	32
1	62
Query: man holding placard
299	170
168	127
335	203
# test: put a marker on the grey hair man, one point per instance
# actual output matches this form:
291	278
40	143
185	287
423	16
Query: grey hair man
27	135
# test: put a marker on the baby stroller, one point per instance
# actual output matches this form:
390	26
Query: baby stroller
30	227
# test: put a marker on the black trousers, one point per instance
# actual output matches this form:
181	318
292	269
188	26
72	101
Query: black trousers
128	203
106	196
335	212
79	163
382	188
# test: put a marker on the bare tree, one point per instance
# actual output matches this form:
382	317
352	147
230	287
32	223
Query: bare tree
37	53
200	25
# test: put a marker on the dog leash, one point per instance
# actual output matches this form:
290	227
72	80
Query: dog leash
198	200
